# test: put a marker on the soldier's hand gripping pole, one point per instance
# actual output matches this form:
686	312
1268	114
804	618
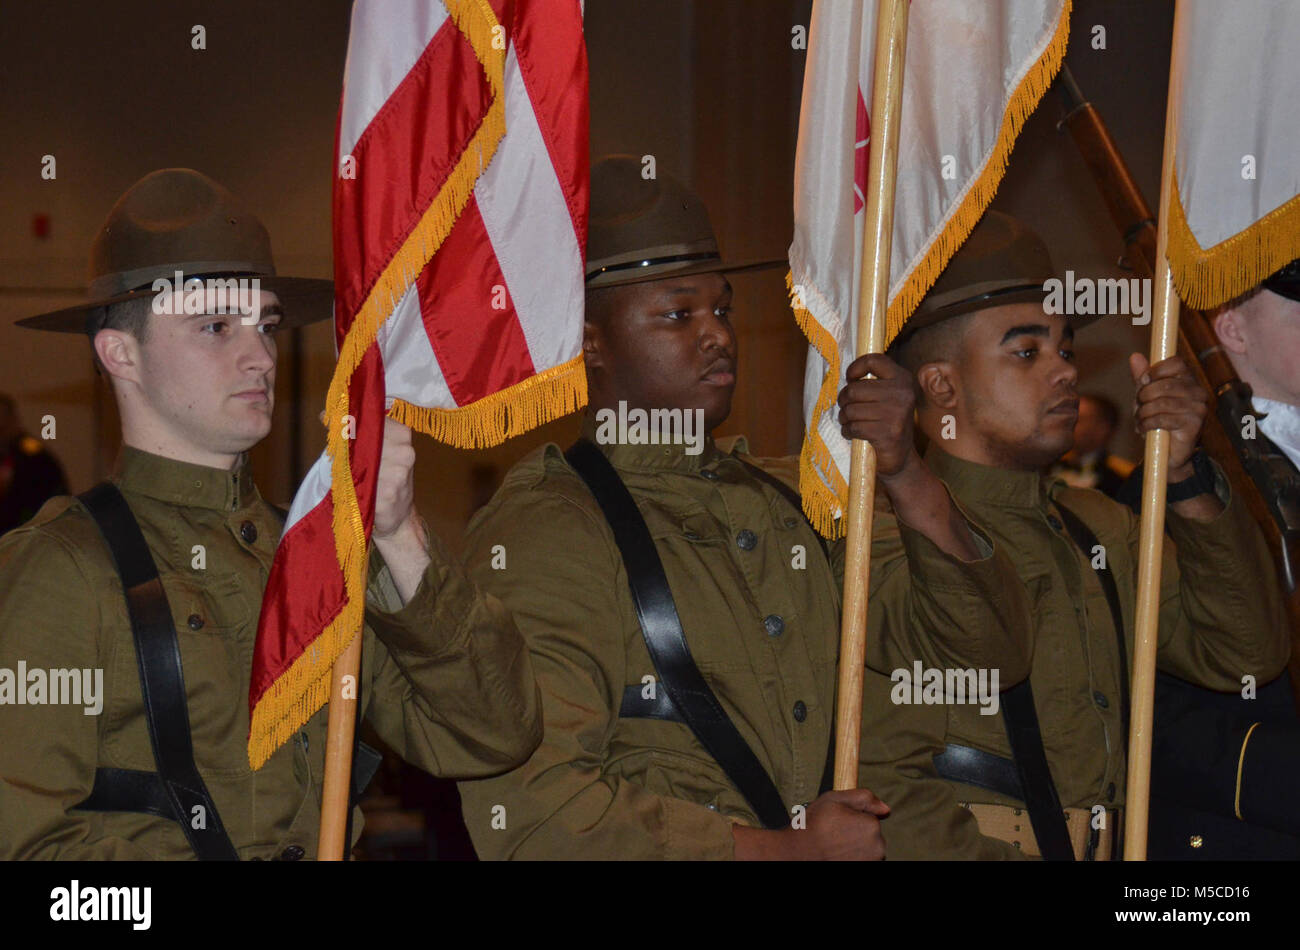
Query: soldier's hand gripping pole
1164	342
873	298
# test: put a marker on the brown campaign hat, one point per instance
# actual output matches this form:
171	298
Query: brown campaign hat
180	220
646	229
1002	262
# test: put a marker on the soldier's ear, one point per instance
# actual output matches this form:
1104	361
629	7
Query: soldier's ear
1228	328
937	383
592	340
119	353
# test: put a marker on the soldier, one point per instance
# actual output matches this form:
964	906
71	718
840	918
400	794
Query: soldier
615	555
1224	766
29	473
446	679
1260	331
990	359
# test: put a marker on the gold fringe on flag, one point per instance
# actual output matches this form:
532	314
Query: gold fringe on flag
304	688
822	503
1208	277
503	415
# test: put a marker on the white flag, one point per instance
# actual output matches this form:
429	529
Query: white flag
973	73
1234	217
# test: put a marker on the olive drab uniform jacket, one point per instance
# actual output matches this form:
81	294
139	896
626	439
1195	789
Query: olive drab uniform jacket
446	679
759	602
1221	619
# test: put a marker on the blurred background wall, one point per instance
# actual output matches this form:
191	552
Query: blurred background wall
709	87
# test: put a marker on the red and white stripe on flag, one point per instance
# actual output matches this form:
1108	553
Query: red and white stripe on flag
460	219
973	73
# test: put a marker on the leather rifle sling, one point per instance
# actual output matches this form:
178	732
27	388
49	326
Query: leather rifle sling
1021	718
1041	799
665	640
177	786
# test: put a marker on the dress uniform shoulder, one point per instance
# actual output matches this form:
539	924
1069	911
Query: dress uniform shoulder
62	513
536	468
541	474
541	496
61	523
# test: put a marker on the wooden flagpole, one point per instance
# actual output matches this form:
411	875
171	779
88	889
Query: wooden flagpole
873	293
335	797
1155	467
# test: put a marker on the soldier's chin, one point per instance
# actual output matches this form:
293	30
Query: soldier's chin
1047	449
717	408
250	434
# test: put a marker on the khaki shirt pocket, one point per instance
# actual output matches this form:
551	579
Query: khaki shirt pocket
212	621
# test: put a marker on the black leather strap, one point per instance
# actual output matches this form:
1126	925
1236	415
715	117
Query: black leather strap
961	763
636	706
665	640
1041	800
1086	541
162	685
129	790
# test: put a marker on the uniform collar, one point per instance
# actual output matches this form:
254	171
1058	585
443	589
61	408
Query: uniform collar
970	481
183	483
661	458
1281	423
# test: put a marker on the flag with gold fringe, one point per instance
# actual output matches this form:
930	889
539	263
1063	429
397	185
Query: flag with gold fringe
1234	213
460	219
973	74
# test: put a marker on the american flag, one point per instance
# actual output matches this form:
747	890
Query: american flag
460	219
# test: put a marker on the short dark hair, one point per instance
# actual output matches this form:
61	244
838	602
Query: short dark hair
128	316
938	341
600	303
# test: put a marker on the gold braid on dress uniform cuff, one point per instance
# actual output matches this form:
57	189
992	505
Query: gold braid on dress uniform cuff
1241	761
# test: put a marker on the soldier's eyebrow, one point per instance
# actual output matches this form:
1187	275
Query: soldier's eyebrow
1028	329
270	310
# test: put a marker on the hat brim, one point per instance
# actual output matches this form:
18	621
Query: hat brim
639	275
1284	287
304	299
1002	297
